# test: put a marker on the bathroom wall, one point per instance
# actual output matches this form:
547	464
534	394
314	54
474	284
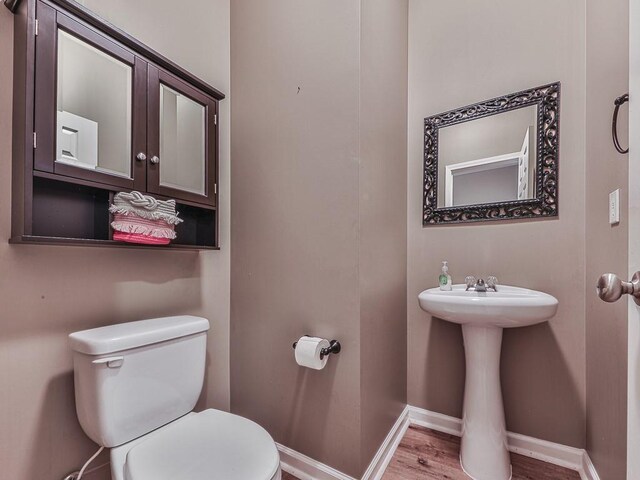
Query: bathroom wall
606	246
48	292
460	53
383	226
318	227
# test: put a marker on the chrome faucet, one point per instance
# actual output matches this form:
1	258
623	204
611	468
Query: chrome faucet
480	285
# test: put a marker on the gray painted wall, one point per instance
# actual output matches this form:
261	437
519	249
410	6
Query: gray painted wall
499	52
319	231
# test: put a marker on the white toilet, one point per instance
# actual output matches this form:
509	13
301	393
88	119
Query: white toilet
136	385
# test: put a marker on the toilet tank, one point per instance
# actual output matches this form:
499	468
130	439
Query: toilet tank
132	378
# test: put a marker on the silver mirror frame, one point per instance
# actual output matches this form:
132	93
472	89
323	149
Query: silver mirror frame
545	203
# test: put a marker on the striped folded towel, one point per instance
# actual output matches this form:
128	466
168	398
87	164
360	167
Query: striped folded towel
144	206
139	218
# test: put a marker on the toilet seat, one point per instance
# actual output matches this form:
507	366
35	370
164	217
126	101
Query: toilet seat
211	445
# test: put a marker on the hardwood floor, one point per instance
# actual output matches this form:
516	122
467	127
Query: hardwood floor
425	454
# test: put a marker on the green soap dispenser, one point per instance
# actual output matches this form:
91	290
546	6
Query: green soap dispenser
444	280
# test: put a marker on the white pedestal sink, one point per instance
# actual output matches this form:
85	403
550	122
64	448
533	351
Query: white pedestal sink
483	315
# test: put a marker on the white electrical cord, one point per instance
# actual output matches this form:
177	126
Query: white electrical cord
84	467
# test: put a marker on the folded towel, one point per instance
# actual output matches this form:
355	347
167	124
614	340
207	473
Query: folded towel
142	239
139	218
144	206
138	225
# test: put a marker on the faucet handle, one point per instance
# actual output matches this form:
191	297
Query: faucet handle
470	281
492	282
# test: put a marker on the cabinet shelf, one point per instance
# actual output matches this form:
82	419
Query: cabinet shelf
88	242
79	214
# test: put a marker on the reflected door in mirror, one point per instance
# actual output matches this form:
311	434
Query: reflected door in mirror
94	103
489	160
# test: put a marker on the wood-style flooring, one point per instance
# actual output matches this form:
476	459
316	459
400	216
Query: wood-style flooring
425	454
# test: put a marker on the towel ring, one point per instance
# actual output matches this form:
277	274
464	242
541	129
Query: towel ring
614	125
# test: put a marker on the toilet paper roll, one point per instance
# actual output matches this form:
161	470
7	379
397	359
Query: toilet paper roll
308	352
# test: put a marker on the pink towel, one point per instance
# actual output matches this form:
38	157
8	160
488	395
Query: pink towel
139	238
143	226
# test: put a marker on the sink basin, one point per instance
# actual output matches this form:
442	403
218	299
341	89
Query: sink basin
506	308
483	315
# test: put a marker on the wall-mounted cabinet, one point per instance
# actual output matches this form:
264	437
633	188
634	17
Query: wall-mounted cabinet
97	112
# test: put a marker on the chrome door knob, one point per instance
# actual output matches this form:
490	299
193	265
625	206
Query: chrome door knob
141	157
155	159
610	288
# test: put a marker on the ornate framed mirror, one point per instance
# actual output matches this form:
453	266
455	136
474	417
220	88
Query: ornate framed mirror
494	160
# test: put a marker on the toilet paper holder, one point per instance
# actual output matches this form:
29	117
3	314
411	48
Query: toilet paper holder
334	347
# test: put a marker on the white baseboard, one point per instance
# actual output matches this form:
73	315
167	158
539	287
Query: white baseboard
435	421
588	471
569	457
306	468
554	453
389	446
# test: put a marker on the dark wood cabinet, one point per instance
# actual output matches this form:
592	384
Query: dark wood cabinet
97	112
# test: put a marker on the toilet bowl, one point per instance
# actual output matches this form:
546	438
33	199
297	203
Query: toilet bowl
136	385
200	446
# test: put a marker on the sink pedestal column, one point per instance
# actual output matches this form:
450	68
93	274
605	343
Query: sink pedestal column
483	449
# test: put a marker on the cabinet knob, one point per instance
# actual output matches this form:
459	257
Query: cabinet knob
155	159
141	157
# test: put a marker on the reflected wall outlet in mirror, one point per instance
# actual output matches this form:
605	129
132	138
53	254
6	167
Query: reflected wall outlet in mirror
493	160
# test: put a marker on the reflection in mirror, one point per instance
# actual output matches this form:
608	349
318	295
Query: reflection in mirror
93	108
182	142
491	159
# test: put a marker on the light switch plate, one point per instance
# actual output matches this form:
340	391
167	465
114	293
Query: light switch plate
614	207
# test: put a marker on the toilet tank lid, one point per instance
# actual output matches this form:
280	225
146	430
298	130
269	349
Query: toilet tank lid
124	336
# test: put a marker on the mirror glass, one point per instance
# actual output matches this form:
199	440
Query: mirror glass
487	160
94	101
182	142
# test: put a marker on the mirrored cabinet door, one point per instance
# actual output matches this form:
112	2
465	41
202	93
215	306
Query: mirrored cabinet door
182	140
90	120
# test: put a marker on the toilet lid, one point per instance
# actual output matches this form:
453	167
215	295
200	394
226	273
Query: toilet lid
211	445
